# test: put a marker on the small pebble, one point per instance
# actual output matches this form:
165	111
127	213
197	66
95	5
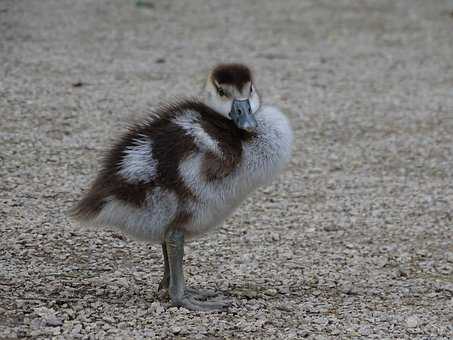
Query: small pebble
53	321
271	292
175	329
156	308
412	322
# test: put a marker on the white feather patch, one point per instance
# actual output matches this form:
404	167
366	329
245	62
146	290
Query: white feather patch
138	163
190	122
148	223
262	160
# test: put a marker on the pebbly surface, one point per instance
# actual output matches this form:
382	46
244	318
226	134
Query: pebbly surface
353	241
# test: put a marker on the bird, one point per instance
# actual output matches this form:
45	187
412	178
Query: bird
182	170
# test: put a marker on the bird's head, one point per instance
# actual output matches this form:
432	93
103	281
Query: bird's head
230	91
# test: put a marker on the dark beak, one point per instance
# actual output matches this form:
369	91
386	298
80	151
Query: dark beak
242	116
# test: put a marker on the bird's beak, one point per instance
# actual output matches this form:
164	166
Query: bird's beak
242	116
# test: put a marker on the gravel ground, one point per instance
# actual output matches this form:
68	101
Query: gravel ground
353	241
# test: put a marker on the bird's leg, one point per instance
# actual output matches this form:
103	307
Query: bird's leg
180	296
165	282
200	294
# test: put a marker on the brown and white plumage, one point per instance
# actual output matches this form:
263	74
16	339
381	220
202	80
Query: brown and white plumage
189	166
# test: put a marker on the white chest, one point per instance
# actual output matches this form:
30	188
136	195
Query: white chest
262	159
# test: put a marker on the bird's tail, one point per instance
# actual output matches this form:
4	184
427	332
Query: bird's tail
88	208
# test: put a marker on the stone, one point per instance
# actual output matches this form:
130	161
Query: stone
412	322
53	321
156	308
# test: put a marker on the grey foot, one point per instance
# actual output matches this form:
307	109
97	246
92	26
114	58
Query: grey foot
189	302
201	294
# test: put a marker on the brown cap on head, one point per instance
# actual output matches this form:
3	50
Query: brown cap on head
236	75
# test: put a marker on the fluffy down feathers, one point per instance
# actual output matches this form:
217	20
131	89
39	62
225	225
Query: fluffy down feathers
186	168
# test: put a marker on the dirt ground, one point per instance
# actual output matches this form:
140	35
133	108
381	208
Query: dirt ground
354	240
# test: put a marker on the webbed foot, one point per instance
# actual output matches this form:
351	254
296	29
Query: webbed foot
190	302
173	280
201	294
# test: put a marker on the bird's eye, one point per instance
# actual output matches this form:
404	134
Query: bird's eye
221	92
